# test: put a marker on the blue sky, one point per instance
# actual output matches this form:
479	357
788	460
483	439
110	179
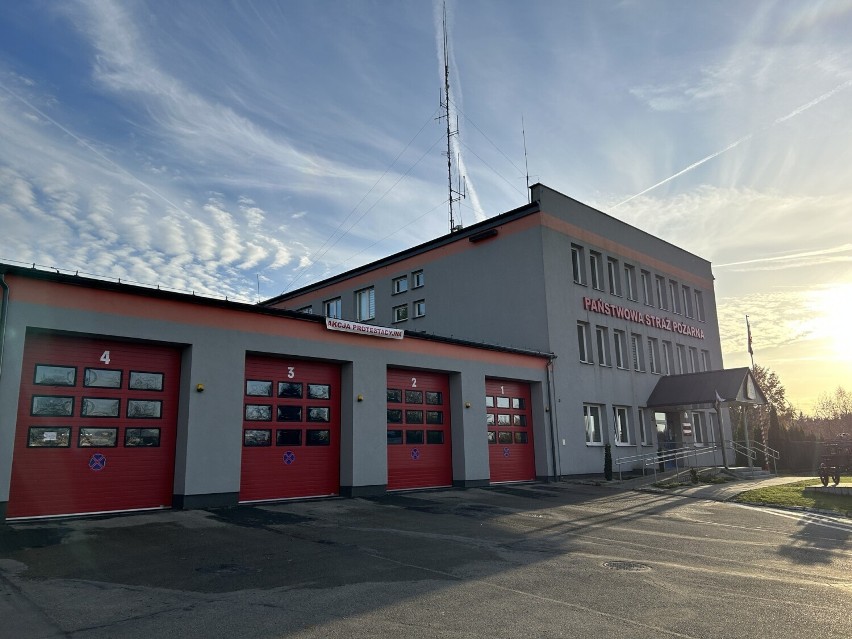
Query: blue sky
207	146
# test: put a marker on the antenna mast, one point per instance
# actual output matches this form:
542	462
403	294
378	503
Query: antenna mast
455	194
526	162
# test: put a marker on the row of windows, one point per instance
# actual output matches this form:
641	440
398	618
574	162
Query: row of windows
663	357
702	424
622	281
415	437
89	437
365	301
60	406
287	413
52	375
253	437
287	390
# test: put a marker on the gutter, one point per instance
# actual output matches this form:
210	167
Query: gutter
4	305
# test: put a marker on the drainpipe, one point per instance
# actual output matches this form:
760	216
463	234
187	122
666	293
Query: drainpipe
3	309
554	434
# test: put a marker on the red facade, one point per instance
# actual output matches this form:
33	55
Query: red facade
291	429
96	427
419	433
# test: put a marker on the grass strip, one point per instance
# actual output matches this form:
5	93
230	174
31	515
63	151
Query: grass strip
794	496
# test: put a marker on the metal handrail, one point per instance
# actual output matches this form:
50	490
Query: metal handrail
655	458
751	448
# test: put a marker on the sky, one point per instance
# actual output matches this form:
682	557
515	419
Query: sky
244	149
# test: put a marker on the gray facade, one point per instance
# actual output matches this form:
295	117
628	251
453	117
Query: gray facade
513	280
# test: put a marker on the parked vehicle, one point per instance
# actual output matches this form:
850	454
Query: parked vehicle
836	458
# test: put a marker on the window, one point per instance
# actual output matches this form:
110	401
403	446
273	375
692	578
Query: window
417	279
705	360
660	284
332	308
699	306
49	437
583	342
681	358
620	349
365	304
400	313
636	352
622	426
577	262
674	298
630	281
602	340
686	295
47	375
693	359
713	427
400	284
613	276
647	298
698	430
592	420
140	380
306	309
419	308
644	435
595	264
668	359
653	355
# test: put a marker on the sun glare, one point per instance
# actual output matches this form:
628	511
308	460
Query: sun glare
832	308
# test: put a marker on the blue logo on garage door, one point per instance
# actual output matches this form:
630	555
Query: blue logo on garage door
97	462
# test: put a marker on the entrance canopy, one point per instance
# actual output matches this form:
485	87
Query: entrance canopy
735	385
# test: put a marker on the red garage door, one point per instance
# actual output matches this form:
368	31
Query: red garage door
291	429
419	451
510	440
96	427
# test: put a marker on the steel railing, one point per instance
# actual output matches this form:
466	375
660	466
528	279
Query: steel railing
656	458
750	450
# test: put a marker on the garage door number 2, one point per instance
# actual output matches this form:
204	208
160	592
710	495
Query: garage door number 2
105	358
413	382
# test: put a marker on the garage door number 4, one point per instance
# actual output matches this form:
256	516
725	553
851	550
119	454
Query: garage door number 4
105	358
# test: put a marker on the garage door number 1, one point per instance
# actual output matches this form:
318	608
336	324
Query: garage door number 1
105	358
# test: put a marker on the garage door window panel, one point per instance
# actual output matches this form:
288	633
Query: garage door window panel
504	420
503	402
434	437
142	438
317	437
49	375
492	436
394	396
146	381
49	437
413	397
394	437
144	409
434	417
253	437
414	437
102	378
290	390
519	420
101	407
414	417
289	413
258	388
504	437
52	406
435	398
520	437
394	415
97	437
258	413
288	437
319	414
319	391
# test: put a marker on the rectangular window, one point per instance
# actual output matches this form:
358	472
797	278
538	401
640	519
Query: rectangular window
49	437
681	359
699	306
636	352
55	375
365	304
258	388
674	298
644	435
583	342
417	279
102	378
577	264
414	417
400	284
622	426
602	341
319	414
705	361
51	406
332	308
145	381
595	267
394	437
630	281
289	413
698	430
620	349
686	296
654	355
647	297
592	421
400	313
419	308
434	437
97	437
668	359
660	284
613	276
258	413
319	391
414	437
713	427
317	437
101	407
288	437
306	309
141	437
693	359
257	437
290	390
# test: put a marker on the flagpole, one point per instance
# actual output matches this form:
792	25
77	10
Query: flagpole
750	348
